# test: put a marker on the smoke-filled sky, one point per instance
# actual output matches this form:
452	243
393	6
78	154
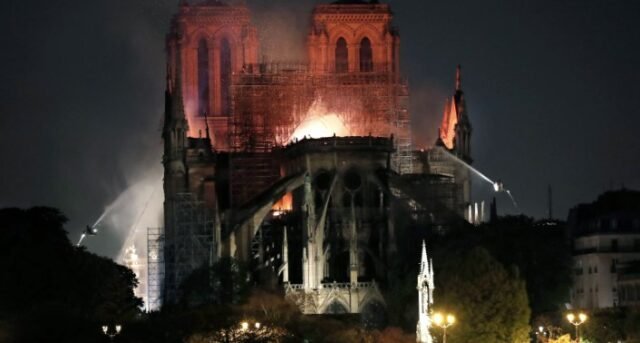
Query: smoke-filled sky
551	86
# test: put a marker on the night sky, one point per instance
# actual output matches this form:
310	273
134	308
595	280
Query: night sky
551	86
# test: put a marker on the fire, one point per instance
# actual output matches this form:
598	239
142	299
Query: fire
283	205
320	123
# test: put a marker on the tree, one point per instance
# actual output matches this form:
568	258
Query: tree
490	302
228	281
632	326
605	326
53	291
540	253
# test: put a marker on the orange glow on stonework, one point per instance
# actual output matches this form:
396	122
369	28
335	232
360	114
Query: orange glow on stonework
283	205
319	123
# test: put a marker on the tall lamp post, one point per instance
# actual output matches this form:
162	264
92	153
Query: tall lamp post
111	333
443	321
577	320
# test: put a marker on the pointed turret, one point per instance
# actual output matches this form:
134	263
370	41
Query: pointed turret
455	129
425	297
424	262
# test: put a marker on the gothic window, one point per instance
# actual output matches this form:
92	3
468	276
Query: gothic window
203	77
336	308
225	77
366	55
342	56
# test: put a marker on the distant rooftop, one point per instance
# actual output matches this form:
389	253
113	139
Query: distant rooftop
613	212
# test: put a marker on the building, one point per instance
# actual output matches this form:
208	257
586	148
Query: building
295	168
629	284
606	236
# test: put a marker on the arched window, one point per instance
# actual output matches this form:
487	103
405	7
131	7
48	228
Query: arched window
203	77
225	77
342	56
366	55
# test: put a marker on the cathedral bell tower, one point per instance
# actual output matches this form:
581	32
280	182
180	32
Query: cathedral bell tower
217	42
353	36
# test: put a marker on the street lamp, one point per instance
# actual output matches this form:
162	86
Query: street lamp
577	321
111	333
443	321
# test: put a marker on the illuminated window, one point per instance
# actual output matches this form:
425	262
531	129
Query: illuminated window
342	56
203	77
366	55
225	77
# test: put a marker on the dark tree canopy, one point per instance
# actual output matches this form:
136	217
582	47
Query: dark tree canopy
490	302
227	282
53	291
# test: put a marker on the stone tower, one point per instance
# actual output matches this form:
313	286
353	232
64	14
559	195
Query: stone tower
425	298
218	41
354	43
351	36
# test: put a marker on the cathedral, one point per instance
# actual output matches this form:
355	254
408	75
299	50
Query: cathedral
297	169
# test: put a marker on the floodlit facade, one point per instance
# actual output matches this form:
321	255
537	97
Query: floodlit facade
606	237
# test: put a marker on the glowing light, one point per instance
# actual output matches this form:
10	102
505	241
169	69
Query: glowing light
283	205
321	126
442	320
449	122
320	122
451	319
583	317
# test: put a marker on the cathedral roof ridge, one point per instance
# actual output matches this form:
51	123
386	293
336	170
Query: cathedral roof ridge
212	3
352	7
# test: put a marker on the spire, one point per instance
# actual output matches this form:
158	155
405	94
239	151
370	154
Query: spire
424	262
458	78
425	298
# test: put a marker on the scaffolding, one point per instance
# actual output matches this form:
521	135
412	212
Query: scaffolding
189	241
155	268
270	103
